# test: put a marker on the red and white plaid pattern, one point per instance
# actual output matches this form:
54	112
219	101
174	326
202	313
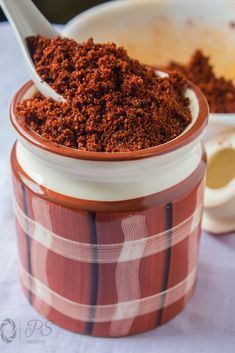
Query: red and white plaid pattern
109	273
114	313
137	243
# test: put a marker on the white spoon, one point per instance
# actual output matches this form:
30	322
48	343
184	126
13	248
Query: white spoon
27	20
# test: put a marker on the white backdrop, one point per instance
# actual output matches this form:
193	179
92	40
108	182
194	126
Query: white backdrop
206	325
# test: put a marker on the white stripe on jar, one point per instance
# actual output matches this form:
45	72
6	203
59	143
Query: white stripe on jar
108	253
106	313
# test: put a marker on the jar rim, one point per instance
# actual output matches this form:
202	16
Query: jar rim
180	141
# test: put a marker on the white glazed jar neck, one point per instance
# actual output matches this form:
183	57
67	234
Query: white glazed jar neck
108	181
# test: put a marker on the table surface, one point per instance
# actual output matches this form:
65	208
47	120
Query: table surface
206	325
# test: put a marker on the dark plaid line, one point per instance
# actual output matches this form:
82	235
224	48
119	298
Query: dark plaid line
28	243
94	273
169	225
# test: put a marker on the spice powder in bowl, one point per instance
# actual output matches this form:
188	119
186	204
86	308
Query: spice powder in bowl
219	92
113	103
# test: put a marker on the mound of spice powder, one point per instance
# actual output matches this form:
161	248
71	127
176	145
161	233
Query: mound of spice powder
220	93
113	103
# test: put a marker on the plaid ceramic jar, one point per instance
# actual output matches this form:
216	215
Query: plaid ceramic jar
108	242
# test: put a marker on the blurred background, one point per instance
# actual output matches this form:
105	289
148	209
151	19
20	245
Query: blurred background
62	11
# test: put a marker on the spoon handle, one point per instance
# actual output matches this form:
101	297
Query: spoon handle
26	19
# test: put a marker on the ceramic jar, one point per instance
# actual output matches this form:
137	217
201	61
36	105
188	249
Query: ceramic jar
108	242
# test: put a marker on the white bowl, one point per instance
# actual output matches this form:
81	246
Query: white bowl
157	31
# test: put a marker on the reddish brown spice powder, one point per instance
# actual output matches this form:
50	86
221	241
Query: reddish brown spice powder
114	103
220	93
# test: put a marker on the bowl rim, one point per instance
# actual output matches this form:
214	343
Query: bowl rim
180	141
111	6
99	8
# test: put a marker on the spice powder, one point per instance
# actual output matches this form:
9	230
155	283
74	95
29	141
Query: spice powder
113	103
219	92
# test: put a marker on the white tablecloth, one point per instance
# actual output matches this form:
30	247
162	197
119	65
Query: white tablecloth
206	325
